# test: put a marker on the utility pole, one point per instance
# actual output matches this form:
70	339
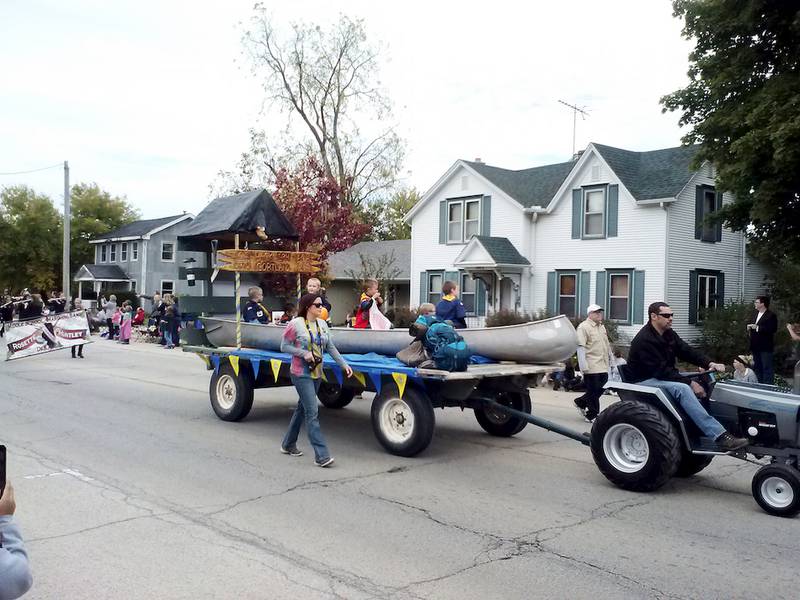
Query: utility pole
65	275
575	111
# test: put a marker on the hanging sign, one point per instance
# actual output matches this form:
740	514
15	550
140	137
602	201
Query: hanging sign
267	261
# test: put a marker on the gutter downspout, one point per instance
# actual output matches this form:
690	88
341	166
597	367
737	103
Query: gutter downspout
665	207
743	266
534	212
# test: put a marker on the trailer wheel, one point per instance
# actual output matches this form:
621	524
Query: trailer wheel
692	464
501	424
776	488
231	394
635	446
332	395
404	426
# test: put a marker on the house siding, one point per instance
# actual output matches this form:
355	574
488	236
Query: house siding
507	220
158	270
685	253
639	244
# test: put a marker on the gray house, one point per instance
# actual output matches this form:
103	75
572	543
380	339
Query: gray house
142	257
388	261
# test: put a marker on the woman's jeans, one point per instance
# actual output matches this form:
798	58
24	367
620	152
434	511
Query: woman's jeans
306	411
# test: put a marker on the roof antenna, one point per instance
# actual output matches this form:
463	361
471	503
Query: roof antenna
575	111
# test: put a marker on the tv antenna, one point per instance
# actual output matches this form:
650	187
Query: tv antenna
575	111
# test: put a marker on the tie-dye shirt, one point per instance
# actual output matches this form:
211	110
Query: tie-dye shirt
297	341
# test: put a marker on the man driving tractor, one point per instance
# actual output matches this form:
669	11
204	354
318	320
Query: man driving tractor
651	361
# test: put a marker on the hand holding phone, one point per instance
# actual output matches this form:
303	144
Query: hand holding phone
2	470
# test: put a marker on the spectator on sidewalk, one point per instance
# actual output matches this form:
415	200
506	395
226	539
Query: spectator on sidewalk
15	572
762	327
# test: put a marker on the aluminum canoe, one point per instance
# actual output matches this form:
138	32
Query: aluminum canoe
545	341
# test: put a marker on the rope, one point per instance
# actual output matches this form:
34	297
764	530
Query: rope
33	170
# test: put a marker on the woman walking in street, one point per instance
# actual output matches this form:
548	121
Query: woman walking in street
307	338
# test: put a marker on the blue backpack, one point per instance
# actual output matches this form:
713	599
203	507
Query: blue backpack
448	349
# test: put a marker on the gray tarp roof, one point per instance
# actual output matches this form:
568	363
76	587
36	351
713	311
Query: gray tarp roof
242	213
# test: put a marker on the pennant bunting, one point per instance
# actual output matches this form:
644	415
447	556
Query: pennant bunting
215	362
400	379
359	377
337	372
256	365
205	359
234	363
276	367
376	380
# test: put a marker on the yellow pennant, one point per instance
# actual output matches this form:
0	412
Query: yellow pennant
276	367
324	377
234	363
400	379
360	378
206	360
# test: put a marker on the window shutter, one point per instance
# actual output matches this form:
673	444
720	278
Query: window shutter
551	293
452	276
443	222
720	289
600	289
718	226
486	215
583	292
698	212
480	300
692	297
638	297
613	210
577	213
423	287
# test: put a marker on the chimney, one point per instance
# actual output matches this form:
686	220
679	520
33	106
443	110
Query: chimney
478	160
577	155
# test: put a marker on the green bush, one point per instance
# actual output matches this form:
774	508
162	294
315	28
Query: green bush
507	317
401	316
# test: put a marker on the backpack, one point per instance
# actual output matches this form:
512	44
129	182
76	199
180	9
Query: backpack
448	349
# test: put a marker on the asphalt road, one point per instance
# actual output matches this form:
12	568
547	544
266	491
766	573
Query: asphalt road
128	486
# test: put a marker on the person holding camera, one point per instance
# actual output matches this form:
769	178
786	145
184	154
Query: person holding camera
15	572
307	338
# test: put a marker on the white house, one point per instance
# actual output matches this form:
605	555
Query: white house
615	227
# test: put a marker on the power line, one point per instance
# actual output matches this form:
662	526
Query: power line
61	164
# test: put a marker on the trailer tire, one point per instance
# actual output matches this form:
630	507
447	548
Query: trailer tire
404	426
497	423
635	446
231	394
332	395
776	488
692	464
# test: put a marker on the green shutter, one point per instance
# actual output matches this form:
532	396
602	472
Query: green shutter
583	292
443	222
613	210
600	289
551	293
480	299
718	226
692	297
638	297
577	213
720	289
698	212
486	215
423	287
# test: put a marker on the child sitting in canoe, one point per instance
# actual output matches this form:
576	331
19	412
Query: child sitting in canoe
369	295
289	313
426	313
450	308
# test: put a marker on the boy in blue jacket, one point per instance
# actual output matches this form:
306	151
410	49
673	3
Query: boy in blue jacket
450	308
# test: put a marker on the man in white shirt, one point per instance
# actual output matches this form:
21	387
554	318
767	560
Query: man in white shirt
594	358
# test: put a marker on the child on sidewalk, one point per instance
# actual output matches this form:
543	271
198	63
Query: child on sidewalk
125	324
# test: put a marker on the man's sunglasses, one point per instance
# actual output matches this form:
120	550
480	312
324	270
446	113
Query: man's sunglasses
666	315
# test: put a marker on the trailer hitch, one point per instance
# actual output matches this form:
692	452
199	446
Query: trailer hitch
583	438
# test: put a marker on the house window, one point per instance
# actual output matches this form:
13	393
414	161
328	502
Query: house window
709	206
167	286
134	250
708	201
567	294
594	208
133	285
435	283
706	293
463	220
103	253
619	297
468	293
113	253
124	252
167	251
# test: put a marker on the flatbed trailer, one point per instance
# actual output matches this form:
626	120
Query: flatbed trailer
402	412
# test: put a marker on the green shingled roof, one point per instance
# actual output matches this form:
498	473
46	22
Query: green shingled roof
502	250
654	174
529	187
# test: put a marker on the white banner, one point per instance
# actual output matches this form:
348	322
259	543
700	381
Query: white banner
45	334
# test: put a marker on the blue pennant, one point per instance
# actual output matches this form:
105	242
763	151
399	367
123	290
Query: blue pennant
337	372
375	376
256	364
215	362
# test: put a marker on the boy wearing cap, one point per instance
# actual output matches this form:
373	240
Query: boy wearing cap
594	352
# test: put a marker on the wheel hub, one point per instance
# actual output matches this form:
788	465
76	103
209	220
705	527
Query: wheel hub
777	492
626	448
397	420
226	392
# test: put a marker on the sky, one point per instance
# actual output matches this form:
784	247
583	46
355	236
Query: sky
151	99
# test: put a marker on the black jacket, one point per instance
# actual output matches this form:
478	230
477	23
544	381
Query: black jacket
653	355
762	339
